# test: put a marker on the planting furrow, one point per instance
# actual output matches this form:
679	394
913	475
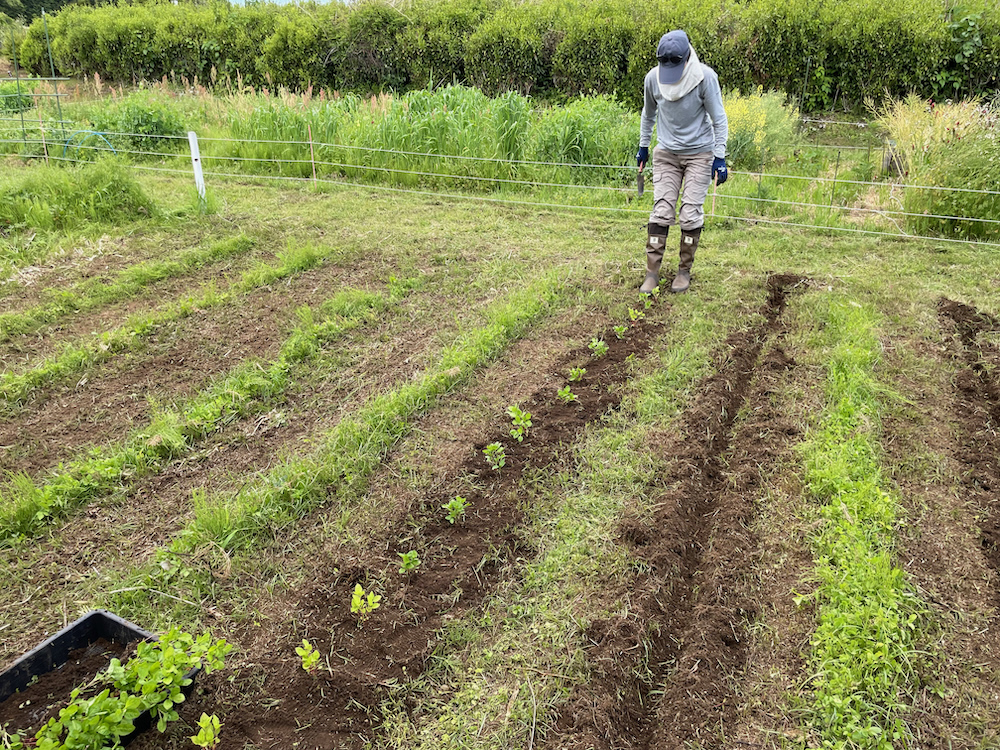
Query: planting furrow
247	390
208	307
121	533
461	563
176	361
666	672
102	302
940	545
978	390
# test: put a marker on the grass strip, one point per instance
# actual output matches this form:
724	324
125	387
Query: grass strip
339	470
95	293
15	388
862	652
27	508
504	669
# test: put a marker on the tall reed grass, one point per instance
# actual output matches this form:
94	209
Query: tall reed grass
950	145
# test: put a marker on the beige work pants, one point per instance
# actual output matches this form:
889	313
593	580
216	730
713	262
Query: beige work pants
669	172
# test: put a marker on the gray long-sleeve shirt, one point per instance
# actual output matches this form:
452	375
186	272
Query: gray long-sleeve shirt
693	124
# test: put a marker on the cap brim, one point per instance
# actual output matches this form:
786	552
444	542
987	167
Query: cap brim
670	73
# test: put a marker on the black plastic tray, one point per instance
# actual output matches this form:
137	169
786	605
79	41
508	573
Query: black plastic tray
54	652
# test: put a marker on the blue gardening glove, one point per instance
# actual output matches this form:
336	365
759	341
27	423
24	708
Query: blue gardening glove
719	172
642	157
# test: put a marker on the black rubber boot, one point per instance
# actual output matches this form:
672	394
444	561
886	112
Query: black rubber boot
656	241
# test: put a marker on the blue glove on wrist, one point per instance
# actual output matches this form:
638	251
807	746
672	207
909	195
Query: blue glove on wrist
643	156
719	172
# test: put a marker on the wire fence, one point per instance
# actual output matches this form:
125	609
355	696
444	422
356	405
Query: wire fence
725	204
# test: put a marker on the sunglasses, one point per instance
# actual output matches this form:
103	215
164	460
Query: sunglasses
671	60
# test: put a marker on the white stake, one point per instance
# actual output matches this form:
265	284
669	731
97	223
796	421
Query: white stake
199	178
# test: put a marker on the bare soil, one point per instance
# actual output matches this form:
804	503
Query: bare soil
134	524
113	398
692	610
339	705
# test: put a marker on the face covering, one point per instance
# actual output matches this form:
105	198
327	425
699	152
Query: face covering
689	80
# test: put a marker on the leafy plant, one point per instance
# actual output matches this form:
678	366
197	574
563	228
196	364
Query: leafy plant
309	656
495	456
760	124
566	394
456	507
619	331
521	421
363	604
598	347
151	681
409	561
635	315
577	373
208	731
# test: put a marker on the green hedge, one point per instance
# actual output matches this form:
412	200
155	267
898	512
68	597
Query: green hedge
824	51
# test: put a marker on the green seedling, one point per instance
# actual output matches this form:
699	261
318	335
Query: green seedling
577	373
363	604
635	315
208	731
598	347
456	508
309	656
153	681
409	561
566	395
495	456
521	421
619	331
648	301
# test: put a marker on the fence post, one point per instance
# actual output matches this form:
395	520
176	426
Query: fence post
55	83
17	79
199	177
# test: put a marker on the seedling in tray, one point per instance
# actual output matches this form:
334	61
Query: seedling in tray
363	604
495	456
152	681
456	508
309	656
566	395
521	421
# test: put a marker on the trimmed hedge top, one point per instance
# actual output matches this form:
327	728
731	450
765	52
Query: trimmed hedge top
822	51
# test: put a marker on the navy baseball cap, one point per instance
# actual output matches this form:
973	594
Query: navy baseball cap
672	52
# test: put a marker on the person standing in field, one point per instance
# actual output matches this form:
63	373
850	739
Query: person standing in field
683	98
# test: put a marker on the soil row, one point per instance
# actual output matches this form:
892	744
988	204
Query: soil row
112	398
666	674
462	563
978	389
